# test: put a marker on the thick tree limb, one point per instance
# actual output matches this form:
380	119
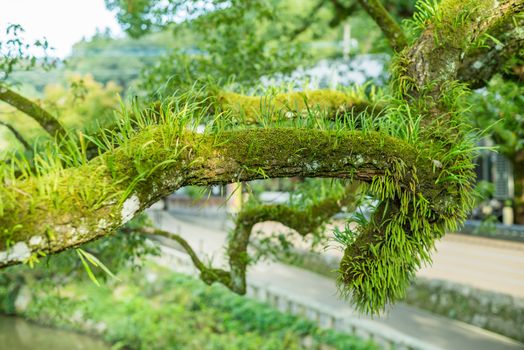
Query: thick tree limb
48	122
398	239
67	208
423	185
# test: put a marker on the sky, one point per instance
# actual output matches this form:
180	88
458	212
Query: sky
61	22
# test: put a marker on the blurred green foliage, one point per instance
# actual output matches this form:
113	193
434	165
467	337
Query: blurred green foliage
16	54
82	104
158	309
499	108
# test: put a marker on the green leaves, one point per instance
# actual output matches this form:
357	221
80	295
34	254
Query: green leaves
89	259
16	54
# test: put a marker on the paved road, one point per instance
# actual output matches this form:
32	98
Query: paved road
484	263
480	262
434	330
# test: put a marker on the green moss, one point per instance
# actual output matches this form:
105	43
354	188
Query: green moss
253	108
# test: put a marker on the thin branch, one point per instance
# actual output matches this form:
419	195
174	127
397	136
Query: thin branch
207	274
388	25
47	121
307	21
342	12
16	134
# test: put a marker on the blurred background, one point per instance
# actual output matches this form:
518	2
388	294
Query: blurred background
82	60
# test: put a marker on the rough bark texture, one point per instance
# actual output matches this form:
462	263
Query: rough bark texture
477	68
62	210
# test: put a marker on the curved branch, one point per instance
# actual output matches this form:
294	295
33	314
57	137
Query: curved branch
386	22
16	134
207	274
303	220
48	122
69	207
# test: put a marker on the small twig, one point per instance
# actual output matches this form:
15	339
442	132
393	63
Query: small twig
16	134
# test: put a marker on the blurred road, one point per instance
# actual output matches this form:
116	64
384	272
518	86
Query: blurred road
437	332
484	263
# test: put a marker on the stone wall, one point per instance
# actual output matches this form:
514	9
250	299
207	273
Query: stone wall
500	313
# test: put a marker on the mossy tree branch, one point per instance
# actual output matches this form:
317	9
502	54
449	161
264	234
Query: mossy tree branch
386	22
47	121
399	237
66	208
323	103
422	177
304	220
477	68
435	57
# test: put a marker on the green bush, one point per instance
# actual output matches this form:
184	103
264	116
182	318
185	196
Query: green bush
157	309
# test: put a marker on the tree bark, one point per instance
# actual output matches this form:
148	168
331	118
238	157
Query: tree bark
67	208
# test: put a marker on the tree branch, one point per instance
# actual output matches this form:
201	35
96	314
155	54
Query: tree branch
436	56
307	21
303	220
208	274
477	68
388	25
323	103
341	12
69	207
30	108
18	136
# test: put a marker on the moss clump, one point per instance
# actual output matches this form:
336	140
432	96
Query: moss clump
251	109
